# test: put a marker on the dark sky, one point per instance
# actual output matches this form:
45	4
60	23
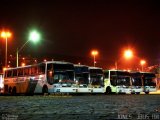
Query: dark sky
71	29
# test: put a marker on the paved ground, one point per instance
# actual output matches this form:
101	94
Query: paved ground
88	107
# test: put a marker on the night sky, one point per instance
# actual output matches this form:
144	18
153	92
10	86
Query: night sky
71	29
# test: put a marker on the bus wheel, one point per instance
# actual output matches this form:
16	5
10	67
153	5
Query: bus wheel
108	90
14	91
45	90
146	92
137	93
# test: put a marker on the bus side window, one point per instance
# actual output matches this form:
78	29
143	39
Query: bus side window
106	74
26	71
33	70
14	72
20	72
5	74
9	73
41	69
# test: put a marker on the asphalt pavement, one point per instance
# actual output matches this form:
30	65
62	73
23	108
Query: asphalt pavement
81	107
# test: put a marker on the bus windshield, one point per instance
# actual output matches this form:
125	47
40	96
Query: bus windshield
119	78
123	80
149	79
136	79
82	74
96	76
60	73
82	78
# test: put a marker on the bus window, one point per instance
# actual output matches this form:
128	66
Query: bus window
14	72
9	73
33	70
113	80
106	74
41	69
20	72
26	71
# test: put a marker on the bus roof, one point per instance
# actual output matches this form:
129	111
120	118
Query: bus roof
95	68
47	62
116	70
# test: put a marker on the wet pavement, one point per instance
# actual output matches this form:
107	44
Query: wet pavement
82	107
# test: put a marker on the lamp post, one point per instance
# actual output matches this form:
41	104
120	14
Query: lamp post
94	53
6	35
142	62
34	36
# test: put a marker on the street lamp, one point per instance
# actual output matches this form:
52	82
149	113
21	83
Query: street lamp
6	35
128	54
34	36
142	62
94	53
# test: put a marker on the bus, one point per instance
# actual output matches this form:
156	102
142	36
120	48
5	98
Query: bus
96	79
117	81
149	82
1	83
82	79
137	86
39	78
89	79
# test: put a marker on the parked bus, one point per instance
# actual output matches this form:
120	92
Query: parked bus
96	79
137	85
149	82
1	83
117	81
89	79
81	74
39	78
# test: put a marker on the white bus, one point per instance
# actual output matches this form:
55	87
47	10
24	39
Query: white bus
137	85
149	82
1	83
89	79
117	81
39	78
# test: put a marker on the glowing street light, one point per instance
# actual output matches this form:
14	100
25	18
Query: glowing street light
128	54
142	62
34	36
23	64
94	53
6	35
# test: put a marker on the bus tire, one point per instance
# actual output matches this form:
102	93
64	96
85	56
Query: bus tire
108	91
146	92
45	90
14	91
137	93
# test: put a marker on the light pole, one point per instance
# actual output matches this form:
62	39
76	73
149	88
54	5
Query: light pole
142	62
6	35
94	53
33	36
